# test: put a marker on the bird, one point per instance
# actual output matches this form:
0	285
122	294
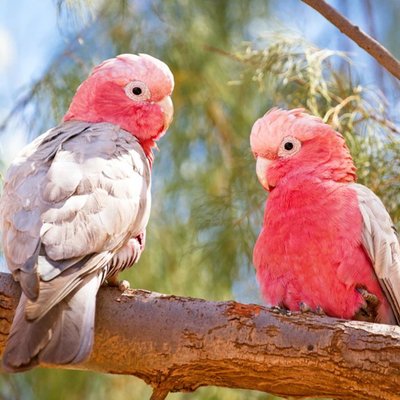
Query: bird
327	244
75	206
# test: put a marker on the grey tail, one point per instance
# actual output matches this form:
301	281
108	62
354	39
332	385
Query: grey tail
64	335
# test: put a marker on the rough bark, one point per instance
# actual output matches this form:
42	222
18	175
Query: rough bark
179	344
369	44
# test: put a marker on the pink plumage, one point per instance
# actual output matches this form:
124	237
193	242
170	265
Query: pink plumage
326	243
104	97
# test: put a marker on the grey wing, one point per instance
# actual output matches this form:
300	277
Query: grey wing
82	191
98	186
381	242
71	201
21	205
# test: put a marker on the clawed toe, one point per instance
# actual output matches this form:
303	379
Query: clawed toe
124	285
121	285
369	298
369	310
319	310
280	310
305	308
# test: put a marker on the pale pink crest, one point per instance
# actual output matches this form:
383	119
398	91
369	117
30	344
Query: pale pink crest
322	149
269	130
127	67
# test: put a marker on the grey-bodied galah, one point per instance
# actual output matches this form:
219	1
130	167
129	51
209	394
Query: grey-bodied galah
75	206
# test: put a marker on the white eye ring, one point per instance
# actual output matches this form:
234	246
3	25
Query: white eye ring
289	147
137	91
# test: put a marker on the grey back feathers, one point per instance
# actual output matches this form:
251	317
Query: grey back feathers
380	240
74	201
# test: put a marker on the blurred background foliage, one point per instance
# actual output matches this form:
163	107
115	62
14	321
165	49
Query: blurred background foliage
207	205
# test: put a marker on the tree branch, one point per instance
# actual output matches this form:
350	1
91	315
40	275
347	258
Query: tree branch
179	344
369	44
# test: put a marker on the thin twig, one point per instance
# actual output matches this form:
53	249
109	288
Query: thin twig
369	44
382	121
222	52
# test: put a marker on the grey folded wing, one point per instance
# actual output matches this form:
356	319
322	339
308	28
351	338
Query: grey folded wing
380	240
71	200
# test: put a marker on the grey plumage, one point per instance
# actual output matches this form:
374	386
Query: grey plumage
74	210
380	240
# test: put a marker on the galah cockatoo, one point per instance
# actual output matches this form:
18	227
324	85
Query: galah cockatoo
75	206
327	244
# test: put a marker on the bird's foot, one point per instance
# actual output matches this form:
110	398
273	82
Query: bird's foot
369	298
122	285
369	310
319	311
280	310
305	308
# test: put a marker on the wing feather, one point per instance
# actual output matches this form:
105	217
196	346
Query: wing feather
72	201
381	242
78	190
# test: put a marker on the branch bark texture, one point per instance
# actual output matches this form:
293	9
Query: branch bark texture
179	344
362	39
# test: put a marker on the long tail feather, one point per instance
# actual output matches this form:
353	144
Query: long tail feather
72	335
63	335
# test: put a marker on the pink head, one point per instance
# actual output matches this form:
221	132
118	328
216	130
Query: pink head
294	144
131	91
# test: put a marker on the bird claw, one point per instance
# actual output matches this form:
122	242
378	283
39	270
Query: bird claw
369	310
319	311
121	285
280	310
305	308
124	285
369	298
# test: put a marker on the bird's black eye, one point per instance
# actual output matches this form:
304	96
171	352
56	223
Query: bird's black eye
137	91
288	146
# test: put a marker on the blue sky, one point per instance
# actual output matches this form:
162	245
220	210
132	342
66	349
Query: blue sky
29	35
28	38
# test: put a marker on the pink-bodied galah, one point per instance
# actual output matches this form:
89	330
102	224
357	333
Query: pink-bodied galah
75	206
327	244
